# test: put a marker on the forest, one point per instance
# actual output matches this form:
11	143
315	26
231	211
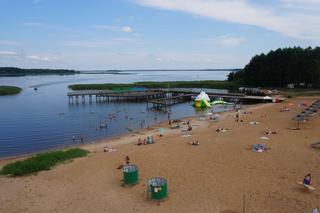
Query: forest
279	68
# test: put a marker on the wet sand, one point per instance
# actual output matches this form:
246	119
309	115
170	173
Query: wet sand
219	175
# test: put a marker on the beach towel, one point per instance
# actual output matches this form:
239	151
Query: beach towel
316	145
264	138
258	147
254	122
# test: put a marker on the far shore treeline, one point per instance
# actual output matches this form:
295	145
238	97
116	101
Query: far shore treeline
14	71
279	68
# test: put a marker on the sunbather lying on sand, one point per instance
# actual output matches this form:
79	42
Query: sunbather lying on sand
108	149
293	128
222	130
259	147
175	127
285	109
269	132
194	143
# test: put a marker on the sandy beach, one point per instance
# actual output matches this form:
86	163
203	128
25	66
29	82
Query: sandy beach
220	175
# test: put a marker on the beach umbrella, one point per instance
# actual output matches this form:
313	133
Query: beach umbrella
299	119
309	112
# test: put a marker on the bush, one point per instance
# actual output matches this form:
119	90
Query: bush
40	162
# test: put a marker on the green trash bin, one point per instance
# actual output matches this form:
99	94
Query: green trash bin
157	187
130	174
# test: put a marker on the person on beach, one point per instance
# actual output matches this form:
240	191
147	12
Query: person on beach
139	142
194	143
307	180
127	159
237	117
73	138
107	149
144	141
189	127
81	140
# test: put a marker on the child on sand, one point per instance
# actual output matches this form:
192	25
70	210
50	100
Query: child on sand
307	180
139	142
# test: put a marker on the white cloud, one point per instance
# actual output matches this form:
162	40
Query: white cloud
125	29
21	56
227	40
34	24
101	43
106	27
276	17
304	2
38	57
8	53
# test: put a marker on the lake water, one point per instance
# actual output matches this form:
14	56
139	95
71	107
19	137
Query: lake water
39	120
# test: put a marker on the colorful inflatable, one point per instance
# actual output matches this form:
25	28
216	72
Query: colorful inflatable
202	101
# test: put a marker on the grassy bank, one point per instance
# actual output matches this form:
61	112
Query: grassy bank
40	162
9	90
172	84
292	93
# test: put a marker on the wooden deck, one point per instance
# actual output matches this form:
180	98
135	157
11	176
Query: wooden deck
107	95
159	98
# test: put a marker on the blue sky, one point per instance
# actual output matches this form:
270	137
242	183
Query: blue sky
151	34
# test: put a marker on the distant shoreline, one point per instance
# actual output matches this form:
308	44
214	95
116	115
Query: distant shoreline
17	72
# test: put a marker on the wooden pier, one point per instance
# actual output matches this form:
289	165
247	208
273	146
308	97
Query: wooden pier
159	98
107	96
164	103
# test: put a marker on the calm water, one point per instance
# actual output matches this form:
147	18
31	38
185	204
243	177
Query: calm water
40	120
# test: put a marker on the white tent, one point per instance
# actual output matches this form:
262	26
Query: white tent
267	98
203	96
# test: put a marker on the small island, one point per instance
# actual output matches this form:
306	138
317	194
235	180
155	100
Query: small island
9	90
14	71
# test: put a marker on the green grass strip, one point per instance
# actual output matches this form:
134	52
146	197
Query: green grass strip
40	162
9	90
214	84
292	93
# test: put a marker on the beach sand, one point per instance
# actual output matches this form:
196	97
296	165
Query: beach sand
220	175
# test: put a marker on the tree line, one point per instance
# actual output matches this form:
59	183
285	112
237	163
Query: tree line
298	66
14	71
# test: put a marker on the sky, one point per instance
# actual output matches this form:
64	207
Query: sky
151	34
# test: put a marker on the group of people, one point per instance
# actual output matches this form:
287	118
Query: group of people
148	140
270	132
